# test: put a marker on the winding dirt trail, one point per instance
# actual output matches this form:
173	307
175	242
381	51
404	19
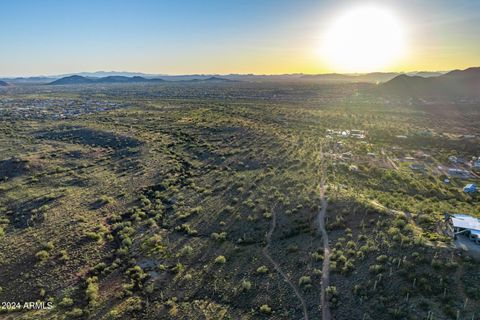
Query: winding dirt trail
326	253
279	269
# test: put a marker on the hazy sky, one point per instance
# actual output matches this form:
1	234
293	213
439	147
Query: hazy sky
217	36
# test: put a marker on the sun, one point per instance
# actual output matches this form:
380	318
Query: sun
364	39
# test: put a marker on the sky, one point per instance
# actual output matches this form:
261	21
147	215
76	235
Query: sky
53	37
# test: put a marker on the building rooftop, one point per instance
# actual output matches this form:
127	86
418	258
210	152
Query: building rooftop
475	232
466	222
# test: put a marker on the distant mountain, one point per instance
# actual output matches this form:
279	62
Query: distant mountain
373	77
210	79
426	74
133	77
454	84
72	80
123	79
76	79
3	84
103	74
218	79
28	80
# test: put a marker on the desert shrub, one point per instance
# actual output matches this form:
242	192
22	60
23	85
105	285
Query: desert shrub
262	270
400	223
305	281
127	242
106	199
331	291
186	250
265	309
351	244
187	229
348	267
137	275
179	268
222	236
376	268
47	246
93	236
267	215
220	260
99	267
64	255
66	302
246	285
292	248
42	255
92	291
382	258
74	313
317	256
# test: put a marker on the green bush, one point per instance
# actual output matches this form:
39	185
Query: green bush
265	309
222	236
75	313
220	260
66	302
305	281
92	291
42	255
262	270
246	285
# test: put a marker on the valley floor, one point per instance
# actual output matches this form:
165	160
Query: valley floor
171	205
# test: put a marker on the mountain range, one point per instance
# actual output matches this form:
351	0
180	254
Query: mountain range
464	83
374	77
454	84
76	79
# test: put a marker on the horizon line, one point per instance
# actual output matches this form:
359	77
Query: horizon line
225	74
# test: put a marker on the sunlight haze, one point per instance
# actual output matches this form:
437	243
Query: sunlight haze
222	37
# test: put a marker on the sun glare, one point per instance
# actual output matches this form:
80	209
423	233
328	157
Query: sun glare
364	39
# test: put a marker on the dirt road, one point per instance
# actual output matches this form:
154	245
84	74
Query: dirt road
326	253
279	269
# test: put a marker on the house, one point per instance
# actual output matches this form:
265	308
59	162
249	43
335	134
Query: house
476	164
355	131
347	155
470	188
465	224
358	134
458	173
452	159
417	167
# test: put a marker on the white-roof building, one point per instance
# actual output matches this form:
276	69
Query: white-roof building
463	223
